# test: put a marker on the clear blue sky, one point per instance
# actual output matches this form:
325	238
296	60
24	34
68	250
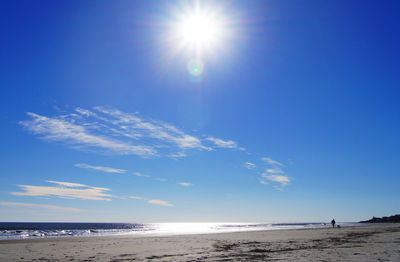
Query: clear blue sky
295	117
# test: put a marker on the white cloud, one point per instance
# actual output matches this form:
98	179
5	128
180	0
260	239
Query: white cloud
166	133
109	130
137	197
102	168
78	136
274	171
31	205
153	201
270	161
66	184
84	112
162	179
185	184
281	179
141	175
177	155
65	190
222	143
249	165
159	202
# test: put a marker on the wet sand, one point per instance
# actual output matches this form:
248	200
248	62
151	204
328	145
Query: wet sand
365	243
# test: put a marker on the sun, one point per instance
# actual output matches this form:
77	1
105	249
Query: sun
199	31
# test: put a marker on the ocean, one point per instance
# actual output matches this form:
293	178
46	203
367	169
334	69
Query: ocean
10	231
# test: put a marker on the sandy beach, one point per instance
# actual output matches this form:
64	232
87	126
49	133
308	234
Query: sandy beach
364	243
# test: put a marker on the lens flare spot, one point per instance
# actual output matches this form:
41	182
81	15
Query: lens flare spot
195	67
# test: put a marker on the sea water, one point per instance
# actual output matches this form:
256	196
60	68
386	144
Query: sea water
10	231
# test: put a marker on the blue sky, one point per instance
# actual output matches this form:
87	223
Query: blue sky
294	117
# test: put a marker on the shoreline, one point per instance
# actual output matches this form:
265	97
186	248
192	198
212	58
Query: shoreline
52	238
140	234
357	243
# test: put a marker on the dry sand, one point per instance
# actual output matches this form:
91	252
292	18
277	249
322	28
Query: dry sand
366	243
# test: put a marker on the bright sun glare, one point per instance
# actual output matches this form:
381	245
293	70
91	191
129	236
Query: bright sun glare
199	31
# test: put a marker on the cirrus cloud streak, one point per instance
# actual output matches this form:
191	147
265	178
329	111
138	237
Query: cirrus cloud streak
65	190
153	201
109	130
102	168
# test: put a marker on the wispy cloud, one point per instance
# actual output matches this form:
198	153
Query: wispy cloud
40	206
109	130
274	171
79	136
185	184
162	179
223	143
66	184
167	135
102	168
249	165
153	201
141	175
281	179
137	197
65	190
84	112
160	202
272	162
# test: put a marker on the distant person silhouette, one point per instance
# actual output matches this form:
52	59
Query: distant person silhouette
333	222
